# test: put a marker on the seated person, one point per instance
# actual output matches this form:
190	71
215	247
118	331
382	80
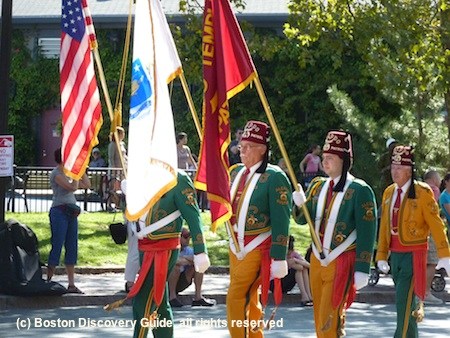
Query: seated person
184	273
298	273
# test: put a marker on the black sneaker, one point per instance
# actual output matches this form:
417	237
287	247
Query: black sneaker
175	303
204	302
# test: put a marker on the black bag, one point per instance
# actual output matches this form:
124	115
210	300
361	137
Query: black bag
72	209
20	267
118	232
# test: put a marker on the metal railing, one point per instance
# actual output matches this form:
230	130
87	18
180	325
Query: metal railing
30	190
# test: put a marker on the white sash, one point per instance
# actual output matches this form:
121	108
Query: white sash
241	220
331	222
155	226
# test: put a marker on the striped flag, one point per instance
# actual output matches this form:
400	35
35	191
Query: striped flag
227	70
152	153
80	99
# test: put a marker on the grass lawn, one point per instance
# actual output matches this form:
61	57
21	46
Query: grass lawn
96	247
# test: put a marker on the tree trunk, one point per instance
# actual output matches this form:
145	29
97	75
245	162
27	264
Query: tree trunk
445	26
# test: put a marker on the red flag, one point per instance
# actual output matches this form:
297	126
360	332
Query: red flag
227	69
80	99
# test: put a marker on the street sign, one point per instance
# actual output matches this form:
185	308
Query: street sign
6	155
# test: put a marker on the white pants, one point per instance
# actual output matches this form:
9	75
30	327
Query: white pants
132	265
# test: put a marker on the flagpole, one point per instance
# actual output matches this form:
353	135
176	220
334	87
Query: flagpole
188	95
291	173
101	75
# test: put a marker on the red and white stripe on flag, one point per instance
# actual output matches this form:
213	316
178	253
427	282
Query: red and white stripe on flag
80	99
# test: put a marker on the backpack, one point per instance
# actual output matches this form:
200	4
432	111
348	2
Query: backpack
20	267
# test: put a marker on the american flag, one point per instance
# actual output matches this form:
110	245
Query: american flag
80	99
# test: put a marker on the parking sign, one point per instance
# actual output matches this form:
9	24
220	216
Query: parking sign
6	155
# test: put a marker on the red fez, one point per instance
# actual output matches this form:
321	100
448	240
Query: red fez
403	155
257	132
338	142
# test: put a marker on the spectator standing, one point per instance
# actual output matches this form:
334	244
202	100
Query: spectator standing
344	210
311	164
261	203
98	180
97	160
64	221
132	264
234	155
408	215
444	199
184	273
185	158
433	179
114	151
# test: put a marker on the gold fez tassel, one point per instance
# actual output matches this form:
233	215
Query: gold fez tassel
114	305
419	312
260	325
271	318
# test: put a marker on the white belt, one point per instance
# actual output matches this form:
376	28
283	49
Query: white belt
157	225
254	243
337	251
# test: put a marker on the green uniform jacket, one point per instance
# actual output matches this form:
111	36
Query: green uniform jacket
183	198
269	208
357	211
417	217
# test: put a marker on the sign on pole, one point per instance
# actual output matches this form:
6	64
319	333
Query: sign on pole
6	155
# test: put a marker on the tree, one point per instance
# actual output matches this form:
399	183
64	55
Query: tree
399	42
35	88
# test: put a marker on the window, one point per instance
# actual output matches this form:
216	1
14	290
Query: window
49	47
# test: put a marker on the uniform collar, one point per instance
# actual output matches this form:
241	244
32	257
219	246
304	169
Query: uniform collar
253	168
405	187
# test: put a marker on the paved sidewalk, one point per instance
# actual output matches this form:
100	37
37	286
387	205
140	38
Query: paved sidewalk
363	321
108	286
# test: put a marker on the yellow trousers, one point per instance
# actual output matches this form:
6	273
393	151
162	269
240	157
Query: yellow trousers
243	305
329	322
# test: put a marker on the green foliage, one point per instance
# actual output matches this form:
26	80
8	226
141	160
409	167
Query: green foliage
35	88
111	46
361	66
369	139
397	48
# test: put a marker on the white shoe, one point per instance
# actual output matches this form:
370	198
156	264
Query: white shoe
430	299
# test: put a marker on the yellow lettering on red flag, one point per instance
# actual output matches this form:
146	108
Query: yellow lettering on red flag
227	69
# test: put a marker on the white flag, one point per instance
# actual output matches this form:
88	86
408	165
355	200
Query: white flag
152	152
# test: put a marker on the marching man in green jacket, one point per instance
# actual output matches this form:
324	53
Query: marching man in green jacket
261	199
344	210
159	233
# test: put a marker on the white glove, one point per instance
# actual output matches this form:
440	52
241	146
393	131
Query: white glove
278	269
383	266
201	262
299	196
444	263
361	279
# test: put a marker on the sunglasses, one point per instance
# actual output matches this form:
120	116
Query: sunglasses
186	235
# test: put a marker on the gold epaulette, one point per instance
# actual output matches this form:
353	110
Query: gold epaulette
314	185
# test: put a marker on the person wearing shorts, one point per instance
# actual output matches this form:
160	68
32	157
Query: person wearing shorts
184	274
